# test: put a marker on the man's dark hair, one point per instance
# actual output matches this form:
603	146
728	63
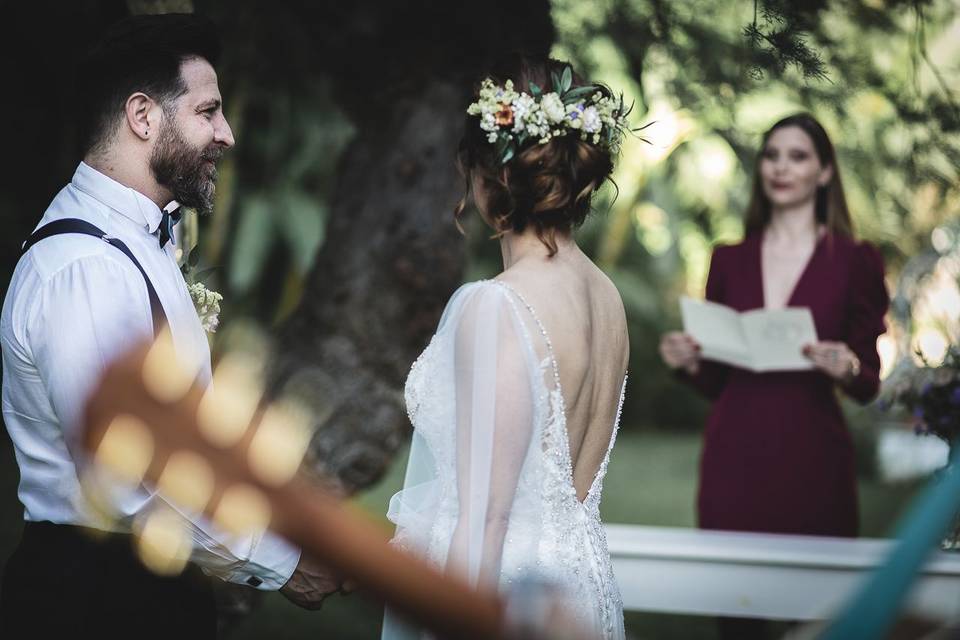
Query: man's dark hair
139	53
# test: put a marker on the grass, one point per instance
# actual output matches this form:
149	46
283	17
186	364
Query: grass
651	481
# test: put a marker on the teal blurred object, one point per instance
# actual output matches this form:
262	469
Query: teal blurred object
872	612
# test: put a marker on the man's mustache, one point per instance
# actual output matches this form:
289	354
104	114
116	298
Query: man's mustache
212	154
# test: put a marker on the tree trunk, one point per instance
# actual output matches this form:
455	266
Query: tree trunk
392	254
391	258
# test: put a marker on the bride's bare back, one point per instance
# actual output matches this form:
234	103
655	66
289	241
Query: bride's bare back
583	316
510	430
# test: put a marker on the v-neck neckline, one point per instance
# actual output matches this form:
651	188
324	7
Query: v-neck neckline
800	278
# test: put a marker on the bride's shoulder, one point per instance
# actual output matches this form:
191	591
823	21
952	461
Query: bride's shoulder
471	298
472	290
499	287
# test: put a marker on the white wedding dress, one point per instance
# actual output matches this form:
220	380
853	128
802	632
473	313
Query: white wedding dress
489	486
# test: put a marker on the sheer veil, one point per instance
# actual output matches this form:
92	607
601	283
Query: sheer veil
478	397
489	493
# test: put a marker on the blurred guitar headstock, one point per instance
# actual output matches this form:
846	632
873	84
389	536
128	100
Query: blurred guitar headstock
222	451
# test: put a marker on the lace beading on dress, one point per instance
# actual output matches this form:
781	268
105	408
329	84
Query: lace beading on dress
550	534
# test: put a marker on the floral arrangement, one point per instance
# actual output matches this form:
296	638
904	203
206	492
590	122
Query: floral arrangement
206	301
930	393
511	118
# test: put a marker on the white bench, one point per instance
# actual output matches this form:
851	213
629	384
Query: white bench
787	577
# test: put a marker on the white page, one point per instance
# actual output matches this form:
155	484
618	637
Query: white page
718	330
777	336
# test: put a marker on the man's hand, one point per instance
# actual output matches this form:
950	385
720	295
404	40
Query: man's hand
310	584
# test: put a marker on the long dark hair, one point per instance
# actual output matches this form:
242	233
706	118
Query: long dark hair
831	205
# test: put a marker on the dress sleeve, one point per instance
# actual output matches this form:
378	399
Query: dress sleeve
712	376
493	368
869	301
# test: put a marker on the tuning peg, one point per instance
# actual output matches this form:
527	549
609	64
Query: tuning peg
126	449
187	480
280	442
163	542
243	509
166	376
230	401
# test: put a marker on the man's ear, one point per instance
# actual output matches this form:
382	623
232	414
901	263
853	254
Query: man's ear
140	116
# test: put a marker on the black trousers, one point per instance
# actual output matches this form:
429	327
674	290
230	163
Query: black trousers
62	581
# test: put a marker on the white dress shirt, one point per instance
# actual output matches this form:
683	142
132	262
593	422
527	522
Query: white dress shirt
74	303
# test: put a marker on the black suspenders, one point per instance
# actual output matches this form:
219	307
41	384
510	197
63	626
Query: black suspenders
73	225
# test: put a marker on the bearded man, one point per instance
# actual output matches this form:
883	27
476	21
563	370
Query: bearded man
98	276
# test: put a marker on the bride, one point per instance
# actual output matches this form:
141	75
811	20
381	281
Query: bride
515	401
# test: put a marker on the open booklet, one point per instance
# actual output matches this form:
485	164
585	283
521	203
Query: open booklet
759	340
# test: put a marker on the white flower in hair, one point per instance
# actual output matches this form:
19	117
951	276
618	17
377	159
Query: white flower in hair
591	120
488	122
553	108
537	124
512	119
524	111
574	114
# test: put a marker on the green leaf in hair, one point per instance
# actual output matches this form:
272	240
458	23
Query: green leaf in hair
578	94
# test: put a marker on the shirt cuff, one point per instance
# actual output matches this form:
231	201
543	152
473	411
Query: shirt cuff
272	561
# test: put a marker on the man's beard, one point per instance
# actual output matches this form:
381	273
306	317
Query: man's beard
188	172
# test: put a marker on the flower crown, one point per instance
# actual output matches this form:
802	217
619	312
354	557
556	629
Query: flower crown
511	119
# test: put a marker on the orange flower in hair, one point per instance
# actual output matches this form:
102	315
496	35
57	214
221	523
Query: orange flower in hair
504	117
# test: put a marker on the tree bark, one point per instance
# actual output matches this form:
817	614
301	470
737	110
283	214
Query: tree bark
391	259
392	254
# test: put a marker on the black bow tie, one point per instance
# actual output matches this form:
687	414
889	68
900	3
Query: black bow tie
167	222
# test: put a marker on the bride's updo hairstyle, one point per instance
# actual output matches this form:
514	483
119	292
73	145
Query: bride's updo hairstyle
542	176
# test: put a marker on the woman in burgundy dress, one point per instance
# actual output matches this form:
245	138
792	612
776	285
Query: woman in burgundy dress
777	455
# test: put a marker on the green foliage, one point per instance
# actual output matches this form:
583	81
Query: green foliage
709	78
285	174
781	39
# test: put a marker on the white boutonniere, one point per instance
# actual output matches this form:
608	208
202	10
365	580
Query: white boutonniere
205	301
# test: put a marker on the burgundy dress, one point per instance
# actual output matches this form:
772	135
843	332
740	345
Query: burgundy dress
777	455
